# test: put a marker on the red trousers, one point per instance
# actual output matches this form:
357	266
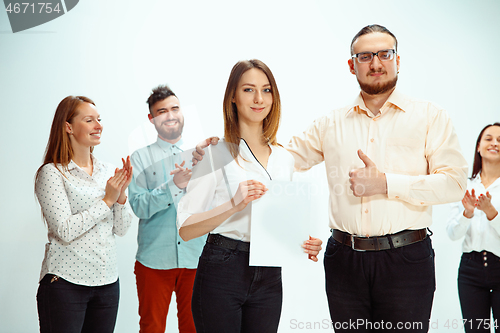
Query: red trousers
154	288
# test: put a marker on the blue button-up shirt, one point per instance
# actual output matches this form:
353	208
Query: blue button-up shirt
154	198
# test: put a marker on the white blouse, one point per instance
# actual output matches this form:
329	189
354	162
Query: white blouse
208	187
81	227
480	233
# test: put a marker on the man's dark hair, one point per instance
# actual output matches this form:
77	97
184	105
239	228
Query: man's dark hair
159	94
371	29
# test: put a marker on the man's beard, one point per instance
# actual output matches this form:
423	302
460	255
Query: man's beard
379	88
171	133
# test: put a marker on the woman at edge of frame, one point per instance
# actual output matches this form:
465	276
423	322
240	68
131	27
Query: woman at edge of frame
83	204
477	218
228	294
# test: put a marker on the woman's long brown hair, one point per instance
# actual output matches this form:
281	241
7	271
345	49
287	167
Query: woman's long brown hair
477	166
271	122
59	150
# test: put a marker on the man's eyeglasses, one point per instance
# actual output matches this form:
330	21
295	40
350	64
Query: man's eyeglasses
383	55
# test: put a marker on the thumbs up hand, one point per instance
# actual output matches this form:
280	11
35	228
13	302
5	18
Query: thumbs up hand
367	181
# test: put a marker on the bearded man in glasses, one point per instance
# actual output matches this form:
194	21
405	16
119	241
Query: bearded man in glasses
395	157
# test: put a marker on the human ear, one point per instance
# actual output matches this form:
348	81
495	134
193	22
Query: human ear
350	62
150	117
68	128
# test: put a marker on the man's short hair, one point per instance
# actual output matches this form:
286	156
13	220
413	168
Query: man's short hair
159	94
371	29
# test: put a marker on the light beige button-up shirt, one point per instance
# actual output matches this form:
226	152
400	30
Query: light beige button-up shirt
413	142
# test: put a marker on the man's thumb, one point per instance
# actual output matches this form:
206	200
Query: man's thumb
366	160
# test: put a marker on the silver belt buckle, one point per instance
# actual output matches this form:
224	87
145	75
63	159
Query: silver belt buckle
353	246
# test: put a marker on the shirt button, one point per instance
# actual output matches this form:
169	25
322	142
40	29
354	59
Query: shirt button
484	253
366	211
397	196
179	243
485	264
168	205
421	203
484	258
372	139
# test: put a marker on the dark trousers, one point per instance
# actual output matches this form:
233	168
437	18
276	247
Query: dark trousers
479	290
380	291
229	296
65	307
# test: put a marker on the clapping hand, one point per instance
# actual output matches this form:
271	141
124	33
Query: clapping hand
181	175
127	166
484	203
116	185
469	201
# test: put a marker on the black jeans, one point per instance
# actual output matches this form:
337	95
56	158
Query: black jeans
380	291
65	307
479	290
229	296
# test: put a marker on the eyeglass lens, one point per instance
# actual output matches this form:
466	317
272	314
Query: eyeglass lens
383	55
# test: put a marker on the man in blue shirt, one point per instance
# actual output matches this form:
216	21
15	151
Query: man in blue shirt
164	262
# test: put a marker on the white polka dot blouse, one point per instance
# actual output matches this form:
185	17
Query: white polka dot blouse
81	227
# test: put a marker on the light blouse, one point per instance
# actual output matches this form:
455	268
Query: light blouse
216	179
81	227
480	233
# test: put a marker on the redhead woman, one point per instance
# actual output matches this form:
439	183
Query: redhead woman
229	295
83	204
477	218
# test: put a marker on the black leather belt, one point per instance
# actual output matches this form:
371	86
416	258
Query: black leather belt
228	243
378	243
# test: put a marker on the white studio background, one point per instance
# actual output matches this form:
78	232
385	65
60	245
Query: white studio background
116	51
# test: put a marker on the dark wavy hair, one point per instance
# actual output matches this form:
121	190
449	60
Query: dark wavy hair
159	94
478	160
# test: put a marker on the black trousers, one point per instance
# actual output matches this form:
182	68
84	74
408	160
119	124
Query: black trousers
65	307
229	296
380	291
479	290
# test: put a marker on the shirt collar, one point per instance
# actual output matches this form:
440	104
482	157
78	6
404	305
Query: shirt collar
167	145
477	179
399	100
97	165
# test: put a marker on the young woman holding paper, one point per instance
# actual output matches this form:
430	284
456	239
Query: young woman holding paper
229	295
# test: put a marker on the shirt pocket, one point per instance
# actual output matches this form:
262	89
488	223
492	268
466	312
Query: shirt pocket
405	156
152	176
